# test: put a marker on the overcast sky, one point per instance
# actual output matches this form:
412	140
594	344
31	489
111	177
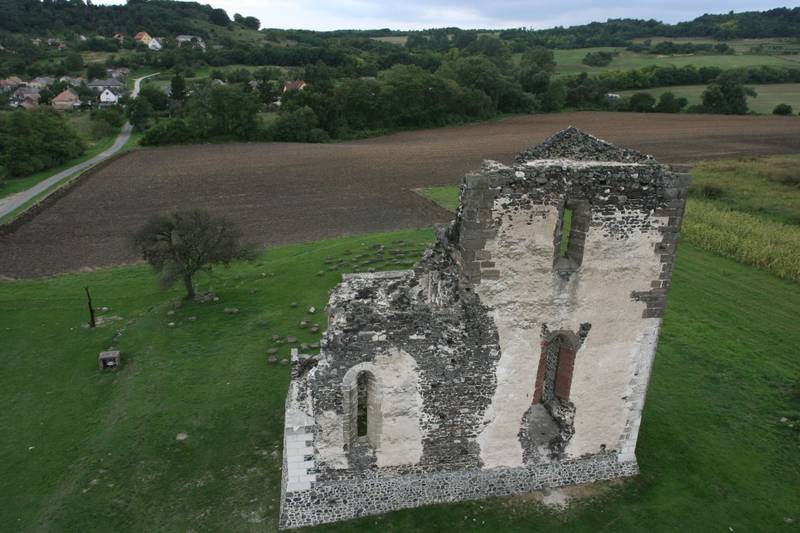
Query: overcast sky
420	14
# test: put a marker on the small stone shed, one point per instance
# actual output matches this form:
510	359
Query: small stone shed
514	357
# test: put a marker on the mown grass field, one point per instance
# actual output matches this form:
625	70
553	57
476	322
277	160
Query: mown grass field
89	451
569	61
768	96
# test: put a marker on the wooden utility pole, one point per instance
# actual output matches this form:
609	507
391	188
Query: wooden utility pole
92	322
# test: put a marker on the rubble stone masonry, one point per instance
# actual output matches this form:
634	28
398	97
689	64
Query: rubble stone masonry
514	357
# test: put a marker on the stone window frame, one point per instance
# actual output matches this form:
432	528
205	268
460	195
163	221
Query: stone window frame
350	407
581	219
565	366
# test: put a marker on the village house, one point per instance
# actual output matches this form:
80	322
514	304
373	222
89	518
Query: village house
70	80
41	82
296	85
66	100
119	37
156	44
25	97
109	98
193	40
108	83
142	37
10	83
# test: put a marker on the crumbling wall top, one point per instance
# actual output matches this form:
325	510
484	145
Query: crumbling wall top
576	145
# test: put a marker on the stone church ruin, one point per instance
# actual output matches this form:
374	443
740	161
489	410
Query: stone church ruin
515	356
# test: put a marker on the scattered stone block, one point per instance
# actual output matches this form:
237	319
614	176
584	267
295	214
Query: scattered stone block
182	436
109	359
272	359
291	340
231	310
312	310
192	318
293	304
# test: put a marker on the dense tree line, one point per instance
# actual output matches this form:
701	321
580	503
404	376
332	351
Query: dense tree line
671	48
334	105
656	76
780	22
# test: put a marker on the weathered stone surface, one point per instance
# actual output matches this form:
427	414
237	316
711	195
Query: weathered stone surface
506	361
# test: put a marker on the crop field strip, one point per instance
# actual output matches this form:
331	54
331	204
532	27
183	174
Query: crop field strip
283	193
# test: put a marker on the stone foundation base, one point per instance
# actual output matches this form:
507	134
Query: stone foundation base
333	501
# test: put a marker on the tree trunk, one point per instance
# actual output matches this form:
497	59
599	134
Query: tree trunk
92	322
187	282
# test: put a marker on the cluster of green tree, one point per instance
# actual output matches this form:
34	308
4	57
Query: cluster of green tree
780	22
600	58
31	141
218	112
671	48
464	88
657	76
783	109
159	17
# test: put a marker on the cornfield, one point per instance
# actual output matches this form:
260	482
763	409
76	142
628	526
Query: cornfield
747	238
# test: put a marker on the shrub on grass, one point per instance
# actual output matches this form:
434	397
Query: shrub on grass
101	129
169	131
112	115
782	109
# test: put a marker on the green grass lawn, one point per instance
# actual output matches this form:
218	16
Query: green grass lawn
768	95
89	451
569	61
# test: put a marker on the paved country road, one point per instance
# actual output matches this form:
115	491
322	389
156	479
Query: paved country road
292	192
8	205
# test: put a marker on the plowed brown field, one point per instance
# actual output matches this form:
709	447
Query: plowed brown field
282	193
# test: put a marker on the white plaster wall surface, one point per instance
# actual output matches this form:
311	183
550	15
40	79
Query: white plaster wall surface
401	405
528	293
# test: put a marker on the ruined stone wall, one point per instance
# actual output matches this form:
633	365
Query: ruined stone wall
500	365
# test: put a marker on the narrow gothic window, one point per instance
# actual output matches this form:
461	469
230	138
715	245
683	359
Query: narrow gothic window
571	236
362	405
566	226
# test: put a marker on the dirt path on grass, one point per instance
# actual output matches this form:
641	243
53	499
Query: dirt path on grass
282	192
